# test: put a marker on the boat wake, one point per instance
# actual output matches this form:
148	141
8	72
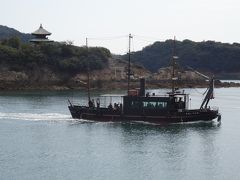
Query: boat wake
36	116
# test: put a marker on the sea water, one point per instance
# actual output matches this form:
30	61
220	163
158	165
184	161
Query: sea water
40	140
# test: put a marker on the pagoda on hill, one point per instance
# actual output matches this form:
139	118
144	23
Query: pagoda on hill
41	35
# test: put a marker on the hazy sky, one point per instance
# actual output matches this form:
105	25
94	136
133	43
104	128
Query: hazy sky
149	20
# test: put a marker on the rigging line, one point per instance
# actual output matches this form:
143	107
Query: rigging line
145	40
200	92
149	38
127	47
108	38
132	44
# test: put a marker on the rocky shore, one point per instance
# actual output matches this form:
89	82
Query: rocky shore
105	85
111	77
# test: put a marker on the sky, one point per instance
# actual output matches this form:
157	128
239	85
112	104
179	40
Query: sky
107	23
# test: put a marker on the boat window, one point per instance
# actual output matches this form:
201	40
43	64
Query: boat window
147	104
158	105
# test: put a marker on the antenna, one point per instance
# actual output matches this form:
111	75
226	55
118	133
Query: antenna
129	59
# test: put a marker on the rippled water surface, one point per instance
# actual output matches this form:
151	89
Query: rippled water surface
39	140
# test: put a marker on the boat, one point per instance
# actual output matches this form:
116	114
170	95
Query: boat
137	105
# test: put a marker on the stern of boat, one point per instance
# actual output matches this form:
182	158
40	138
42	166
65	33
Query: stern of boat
215	113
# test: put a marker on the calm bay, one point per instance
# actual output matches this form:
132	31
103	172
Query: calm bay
40	140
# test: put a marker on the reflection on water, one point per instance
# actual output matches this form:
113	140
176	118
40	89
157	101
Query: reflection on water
162	150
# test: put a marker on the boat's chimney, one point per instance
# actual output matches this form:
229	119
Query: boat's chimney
142	87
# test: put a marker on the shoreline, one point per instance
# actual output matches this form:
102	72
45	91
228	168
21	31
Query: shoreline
108	85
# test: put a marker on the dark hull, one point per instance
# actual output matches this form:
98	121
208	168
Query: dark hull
106	115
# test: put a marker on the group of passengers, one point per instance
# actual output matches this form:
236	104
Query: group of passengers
91	103
116	107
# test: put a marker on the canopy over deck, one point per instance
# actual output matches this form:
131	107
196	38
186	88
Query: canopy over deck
113	95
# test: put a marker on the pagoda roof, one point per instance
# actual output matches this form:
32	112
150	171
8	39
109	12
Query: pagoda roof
41	31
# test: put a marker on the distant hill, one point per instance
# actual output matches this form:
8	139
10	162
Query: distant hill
6	32
206	56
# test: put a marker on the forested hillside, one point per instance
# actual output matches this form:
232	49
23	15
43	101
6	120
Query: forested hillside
18	54
207	56
56	56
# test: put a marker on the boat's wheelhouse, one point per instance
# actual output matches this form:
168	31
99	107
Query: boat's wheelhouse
152	105
178	101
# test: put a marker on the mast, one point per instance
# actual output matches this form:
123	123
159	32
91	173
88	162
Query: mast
88	73
209	95
129	59
173	64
